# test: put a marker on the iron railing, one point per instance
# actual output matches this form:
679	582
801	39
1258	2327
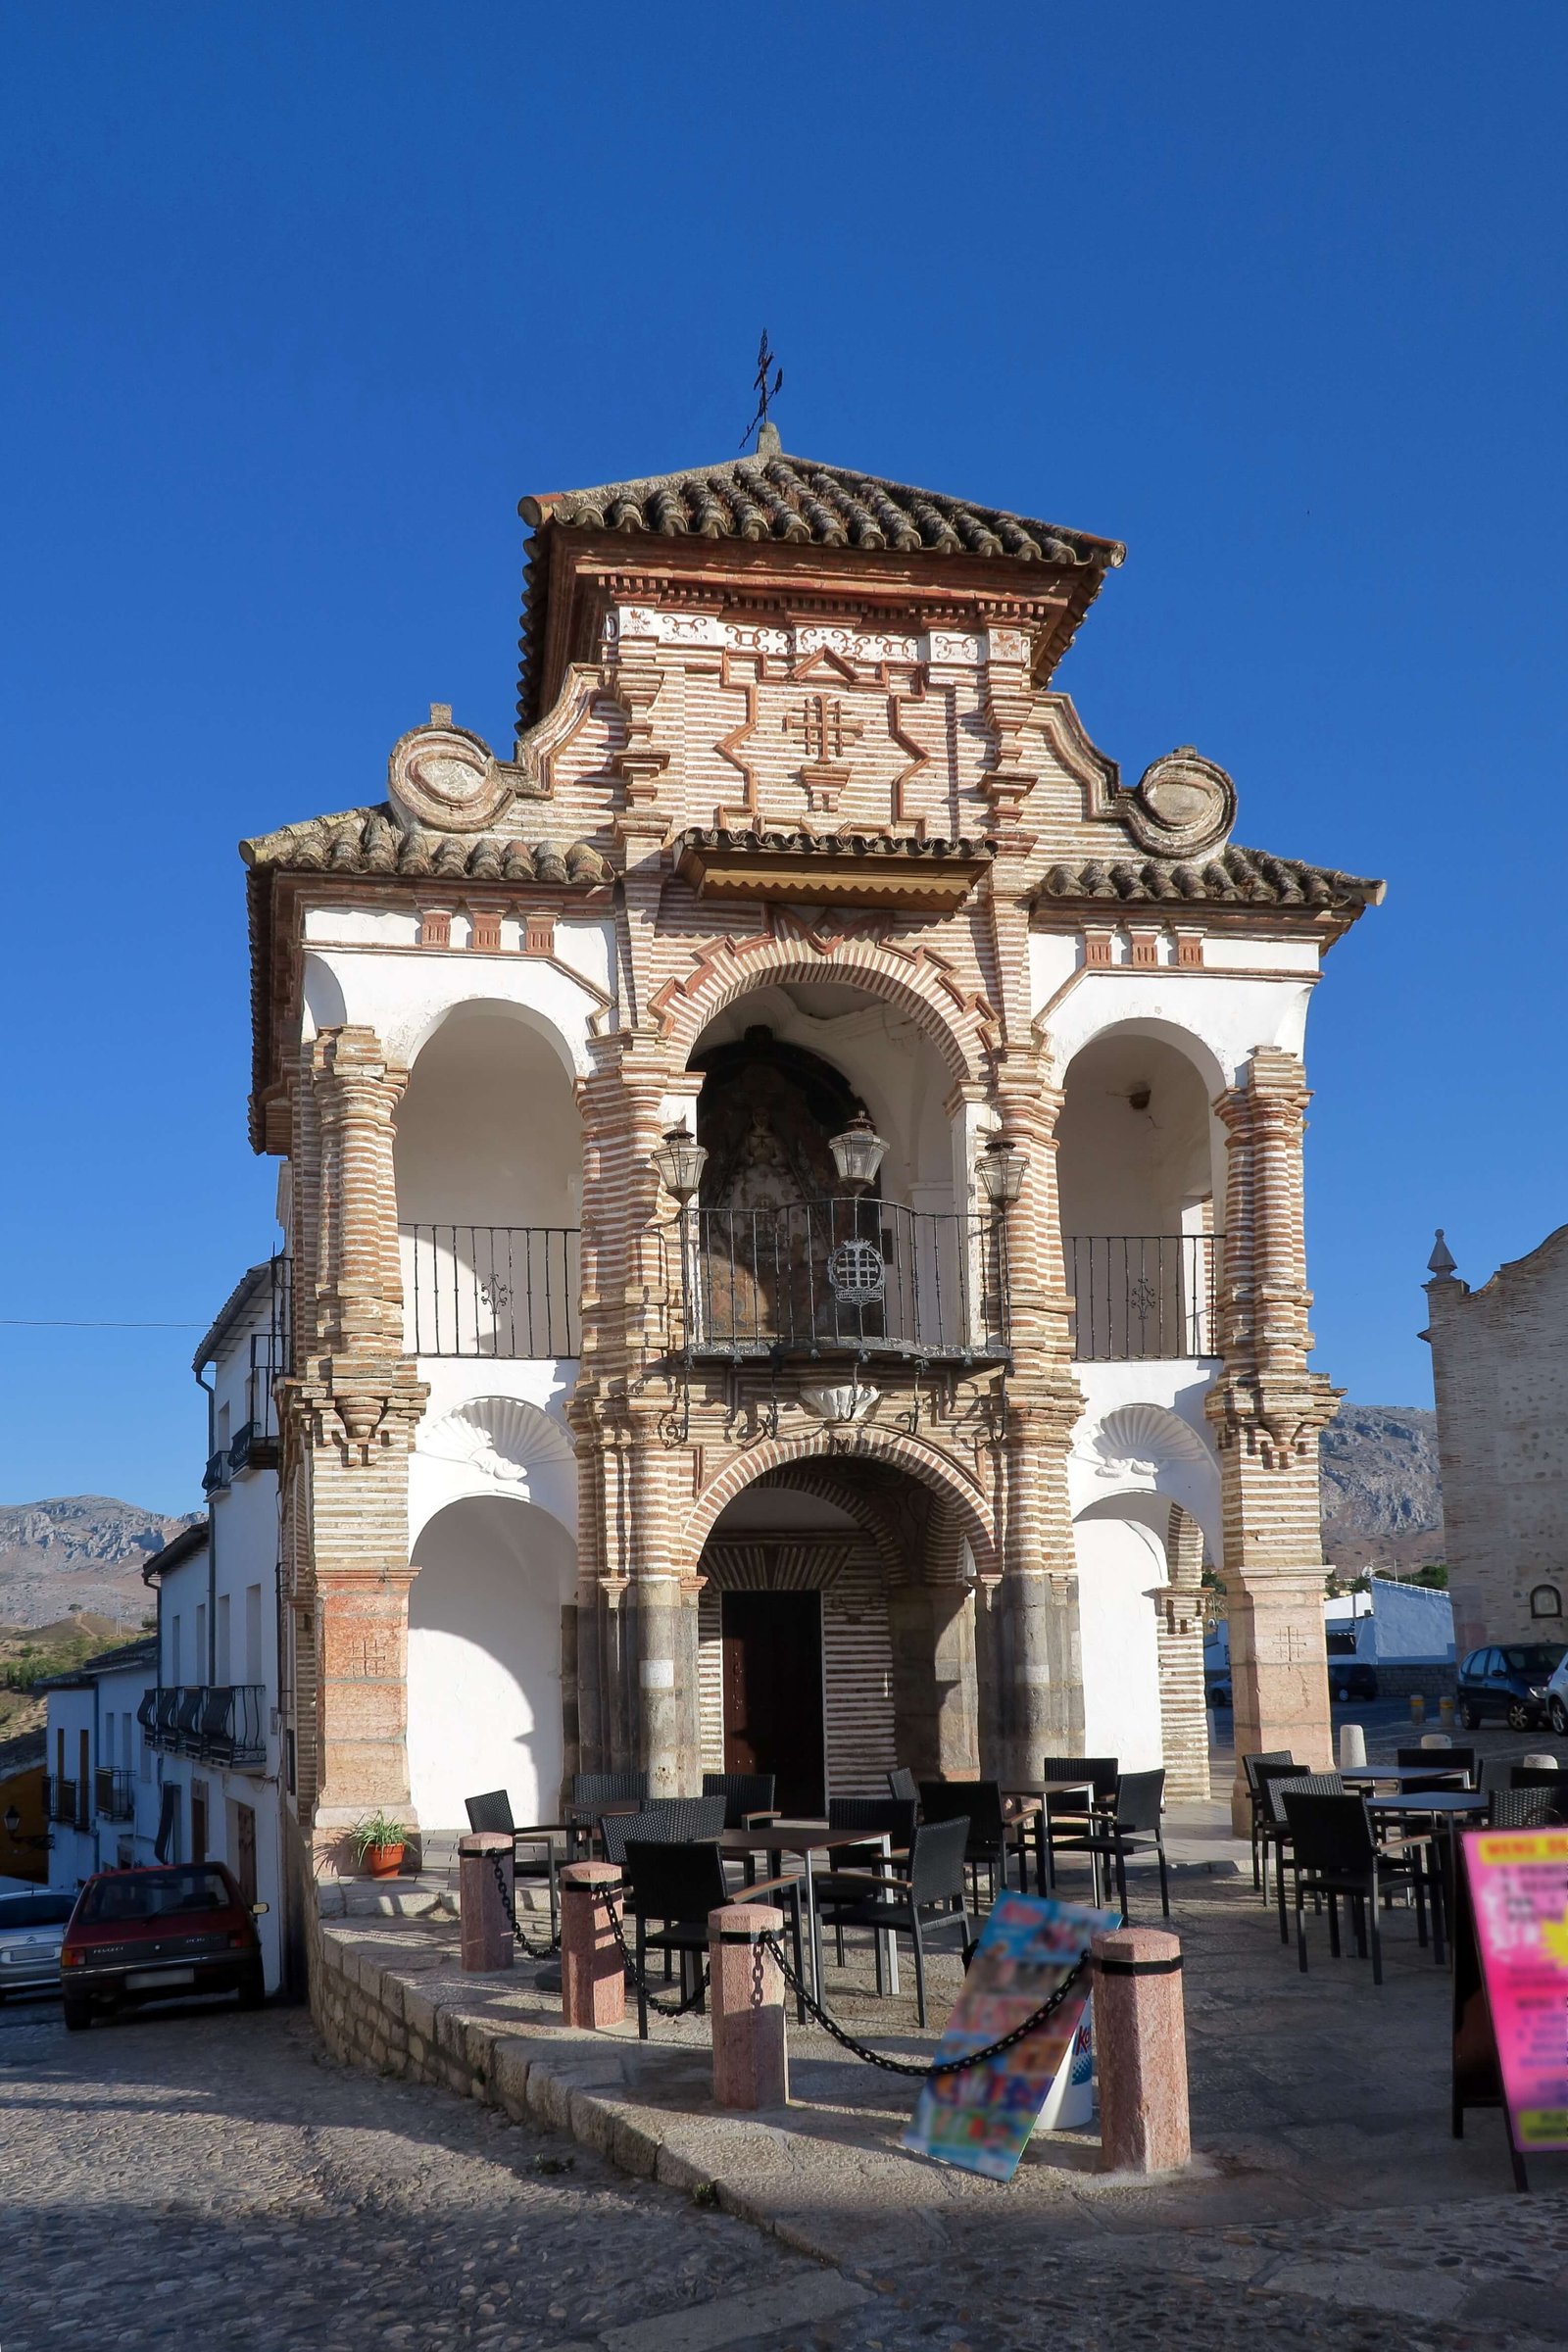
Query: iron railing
113	1796
492	1290
861	1275
271	1355
60	1800
220	1723
1144	1297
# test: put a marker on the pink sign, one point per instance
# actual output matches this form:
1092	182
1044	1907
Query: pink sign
1519	1892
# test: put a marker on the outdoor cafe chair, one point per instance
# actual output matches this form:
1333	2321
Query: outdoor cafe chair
1526	1808
1535	1776
533	1849
890	1817
1068	1817
666	1821
902	1785
747	1796
1271	1824
1335	1853
1250	1767
1442	1762
979	1804
1134	1827
1276	1833
678	1882
927	1902
591	1791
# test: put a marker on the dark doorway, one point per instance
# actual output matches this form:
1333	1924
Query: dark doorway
245	1851
773	1692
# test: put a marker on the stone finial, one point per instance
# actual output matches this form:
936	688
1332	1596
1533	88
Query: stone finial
1440	1265
440	715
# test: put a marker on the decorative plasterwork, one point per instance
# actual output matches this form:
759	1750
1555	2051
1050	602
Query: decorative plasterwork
1183	804
447	778
501	1439
751	866
945	649
1137	1444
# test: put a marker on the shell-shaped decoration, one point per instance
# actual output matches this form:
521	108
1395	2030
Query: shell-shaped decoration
500	1437
1140	1441
840	1404
1183	804
446	778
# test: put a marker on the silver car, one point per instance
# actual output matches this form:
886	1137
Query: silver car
31	1926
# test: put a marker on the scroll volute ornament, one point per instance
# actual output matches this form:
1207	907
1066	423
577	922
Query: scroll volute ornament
1183	804
443	777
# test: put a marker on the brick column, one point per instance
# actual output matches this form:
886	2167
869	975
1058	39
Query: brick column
351	1411
1039	1673
1266	1410
1183	1714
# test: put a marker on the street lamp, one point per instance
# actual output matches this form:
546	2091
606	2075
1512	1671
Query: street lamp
858	1153
680	1160
1001	1169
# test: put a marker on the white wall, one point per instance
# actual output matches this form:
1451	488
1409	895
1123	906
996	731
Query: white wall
1127	1171
1120	1563
484	1660
487	1132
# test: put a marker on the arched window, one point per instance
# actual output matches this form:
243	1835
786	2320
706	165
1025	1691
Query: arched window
1546	1600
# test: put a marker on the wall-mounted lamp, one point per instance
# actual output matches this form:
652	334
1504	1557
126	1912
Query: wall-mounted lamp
1001	1169
680	1160
858	1153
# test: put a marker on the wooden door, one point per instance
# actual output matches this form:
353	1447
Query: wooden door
198	1821
245	1851
772	1651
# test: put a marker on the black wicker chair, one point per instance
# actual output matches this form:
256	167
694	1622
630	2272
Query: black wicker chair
926	1902
902	1785
1276	1832
1134	1828
1250	1767
591	1791
1441	1762
1068	1817
1528	1808
747	1796
1336	1852
979	1804
666	1821
678	1882
890	1817
534	1853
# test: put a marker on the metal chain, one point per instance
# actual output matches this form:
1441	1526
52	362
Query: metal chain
635	1974
554	1945
935	2067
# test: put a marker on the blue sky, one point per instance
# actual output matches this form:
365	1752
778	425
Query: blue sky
298	300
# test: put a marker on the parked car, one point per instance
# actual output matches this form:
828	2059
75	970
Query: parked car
1352	1678
1557	1697
1509	1680
156	1935
1219	1691
30	1929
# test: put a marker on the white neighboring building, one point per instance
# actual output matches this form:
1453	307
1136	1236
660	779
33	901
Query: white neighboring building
102	1791
212	1718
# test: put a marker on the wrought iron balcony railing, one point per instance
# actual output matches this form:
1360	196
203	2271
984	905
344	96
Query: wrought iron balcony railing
859	1276
113	1798
220	1723
60	1801
492	1290
1145	1297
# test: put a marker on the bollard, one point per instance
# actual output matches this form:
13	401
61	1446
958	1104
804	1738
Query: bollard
746	1995
1446	1710
1418	1707
1140	2045
593	1978
487	1935
1436	1739
1352	1745
1542	1763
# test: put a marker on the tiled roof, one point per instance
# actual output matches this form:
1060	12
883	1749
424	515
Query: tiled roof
770	496
144	1651
257	1282
371	841
1232	876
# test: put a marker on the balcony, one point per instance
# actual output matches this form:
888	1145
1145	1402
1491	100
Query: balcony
1145	1297
113	1798
845	1277
510	1290
65	1801
218	1723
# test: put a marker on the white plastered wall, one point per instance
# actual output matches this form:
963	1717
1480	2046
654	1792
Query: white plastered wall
1122	1564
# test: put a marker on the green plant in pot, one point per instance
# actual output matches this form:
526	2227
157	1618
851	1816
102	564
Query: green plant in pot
379	1841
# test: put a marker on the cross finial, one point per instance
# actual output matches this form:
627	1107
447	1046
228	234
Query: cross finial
761	424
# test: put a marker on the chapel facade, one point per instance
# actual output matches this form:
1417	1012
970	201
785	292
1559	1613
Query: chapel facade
793	1189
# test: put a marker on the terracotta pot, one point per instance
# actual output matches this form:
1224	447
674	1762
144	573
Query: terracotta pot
383	1861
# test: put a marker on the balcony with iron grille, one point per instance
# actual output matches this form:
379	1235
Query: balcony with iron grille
1144	1297
63	1801
499	1291
216	1723
113	1794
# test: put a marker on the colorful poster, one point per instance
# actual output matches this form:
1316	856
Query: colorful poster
1519	1891
981	2119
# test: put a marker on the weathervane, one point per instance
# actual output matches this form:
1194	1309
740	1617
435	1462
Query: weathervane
760	425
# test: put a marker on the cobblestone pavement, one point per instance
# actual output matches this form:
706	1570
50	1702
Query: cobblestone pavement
205	2178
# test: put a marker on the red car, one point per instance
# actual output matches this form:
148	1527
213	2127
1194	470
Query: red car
158	1935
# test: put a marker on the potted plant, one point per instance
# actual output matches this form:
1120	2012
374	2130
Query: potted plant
378	1840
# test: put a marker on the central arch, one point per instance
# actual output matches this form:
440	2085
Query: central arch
868	1441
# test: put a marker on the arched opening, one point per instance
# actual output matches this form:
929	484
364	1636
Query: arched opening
485	1619
787	1251
488	1159
836	1633
1140	1612
1138	1150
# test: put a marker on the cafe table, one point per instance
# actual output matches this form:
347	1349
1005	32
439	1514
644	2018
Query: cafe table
1366	1775
1456	1807
1036	1795
776	1838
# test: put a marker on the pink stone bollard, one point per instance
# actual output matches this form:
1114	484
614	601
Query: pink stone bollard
746	1995
486	1931
593	1979
1141	2051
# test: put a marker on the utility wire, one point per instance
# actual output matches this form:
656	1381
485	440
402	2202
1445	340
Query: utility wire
57	1323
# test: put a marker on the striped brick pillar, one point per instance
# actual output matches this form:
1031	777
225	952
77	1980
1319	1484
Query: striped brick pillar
1266	1410
1183	1714
352	1412
1037	1661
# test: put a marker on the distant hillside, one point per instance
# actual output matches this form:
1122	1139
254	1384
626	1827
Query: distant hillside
1381	1500
78	1551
